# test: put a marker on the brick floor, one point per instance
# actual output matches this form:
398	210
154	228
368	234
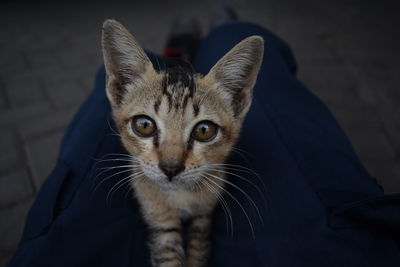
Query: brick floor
347	53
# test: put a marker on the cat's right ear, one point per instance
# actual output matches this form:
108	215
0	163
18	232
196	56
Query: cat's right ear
125	61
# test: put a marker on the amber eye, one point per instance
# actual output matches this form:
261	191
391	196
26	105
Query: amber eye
144	126
205	131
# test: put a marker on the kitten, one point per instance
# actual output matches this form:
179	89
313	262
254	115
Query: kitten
179	127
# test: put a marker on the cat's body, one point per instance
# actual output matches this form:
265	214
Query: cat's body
179	127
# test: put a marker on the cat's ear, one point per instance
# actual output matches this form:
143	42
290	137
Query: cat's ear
235	74
125	61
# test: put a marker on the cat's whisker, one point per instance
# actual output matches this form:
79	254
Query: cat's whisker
227	167
101	160
242	178
240	152
243	192
111	128
109	177
237	201
224	205
228	171
210	189
130	189
105	169
98	161
131	167
116	154
126	179
121	183
199	185
234	169
134	176
233	166
115	135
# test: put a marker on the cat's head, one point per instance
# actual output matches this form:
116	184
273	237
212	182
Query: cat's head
178	125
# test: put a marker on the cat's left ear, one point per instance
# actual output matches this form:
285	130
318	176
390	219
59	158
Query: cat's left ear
235	74
125	61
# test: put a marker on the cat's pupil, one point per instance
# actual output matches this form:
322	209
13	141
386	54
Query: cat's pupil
204	129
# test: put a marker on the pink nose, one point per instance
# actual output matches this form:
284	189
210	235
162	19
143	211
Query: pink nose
171	170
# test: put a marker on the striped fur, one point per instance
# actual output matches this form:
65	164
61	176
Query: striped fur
176	100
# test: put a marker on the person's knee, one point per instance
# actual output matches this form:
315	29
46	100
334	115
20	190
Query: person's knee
221	39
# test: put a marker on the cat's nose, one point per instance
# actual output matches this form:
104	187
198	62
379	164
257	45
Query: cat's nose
171	170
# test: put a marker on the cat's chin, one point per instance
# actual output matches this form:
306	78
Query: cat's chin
170	186
174	185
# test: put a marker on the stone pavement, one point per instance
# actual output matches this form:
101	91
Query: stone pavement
347	53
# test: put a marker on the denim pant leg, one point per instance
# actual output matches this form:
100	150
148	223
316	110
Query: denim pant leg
307	168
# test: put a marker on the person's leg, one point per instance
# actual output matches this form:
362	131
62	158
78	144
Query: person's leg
84	214
307	165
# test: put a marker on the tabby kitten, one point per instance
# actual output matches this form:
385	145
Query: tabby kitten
179	127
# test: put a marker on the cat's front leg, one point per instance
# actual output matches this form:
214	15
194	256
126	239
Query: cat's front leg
198	245
165	240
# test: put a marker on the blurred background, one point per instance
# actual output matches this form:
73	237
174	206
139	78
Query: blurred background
347	51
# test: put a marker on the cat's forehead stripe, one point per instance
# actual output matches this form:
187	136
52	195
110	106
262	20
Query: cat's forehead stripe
179	75
157	105
196	109
178	86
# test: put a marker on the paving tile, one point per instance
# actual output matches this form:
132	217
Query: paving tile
10	146
41	58
84	76
15	186
3	103
371	145
86	80
366	91
3	96
24	90
15	114
41	126
71	59
62	97
357	117
13	62
327	77
42	155
393	182
392	127
63	90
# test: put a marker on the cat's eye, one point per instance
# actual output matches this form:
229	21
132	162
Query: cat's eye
144	126
205	131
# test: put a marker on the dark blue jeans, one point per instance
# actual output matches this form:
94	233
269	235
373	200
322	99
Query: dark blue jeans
318	206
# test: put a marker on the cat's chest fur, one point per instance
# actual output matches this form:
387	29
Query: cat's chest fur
185	203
